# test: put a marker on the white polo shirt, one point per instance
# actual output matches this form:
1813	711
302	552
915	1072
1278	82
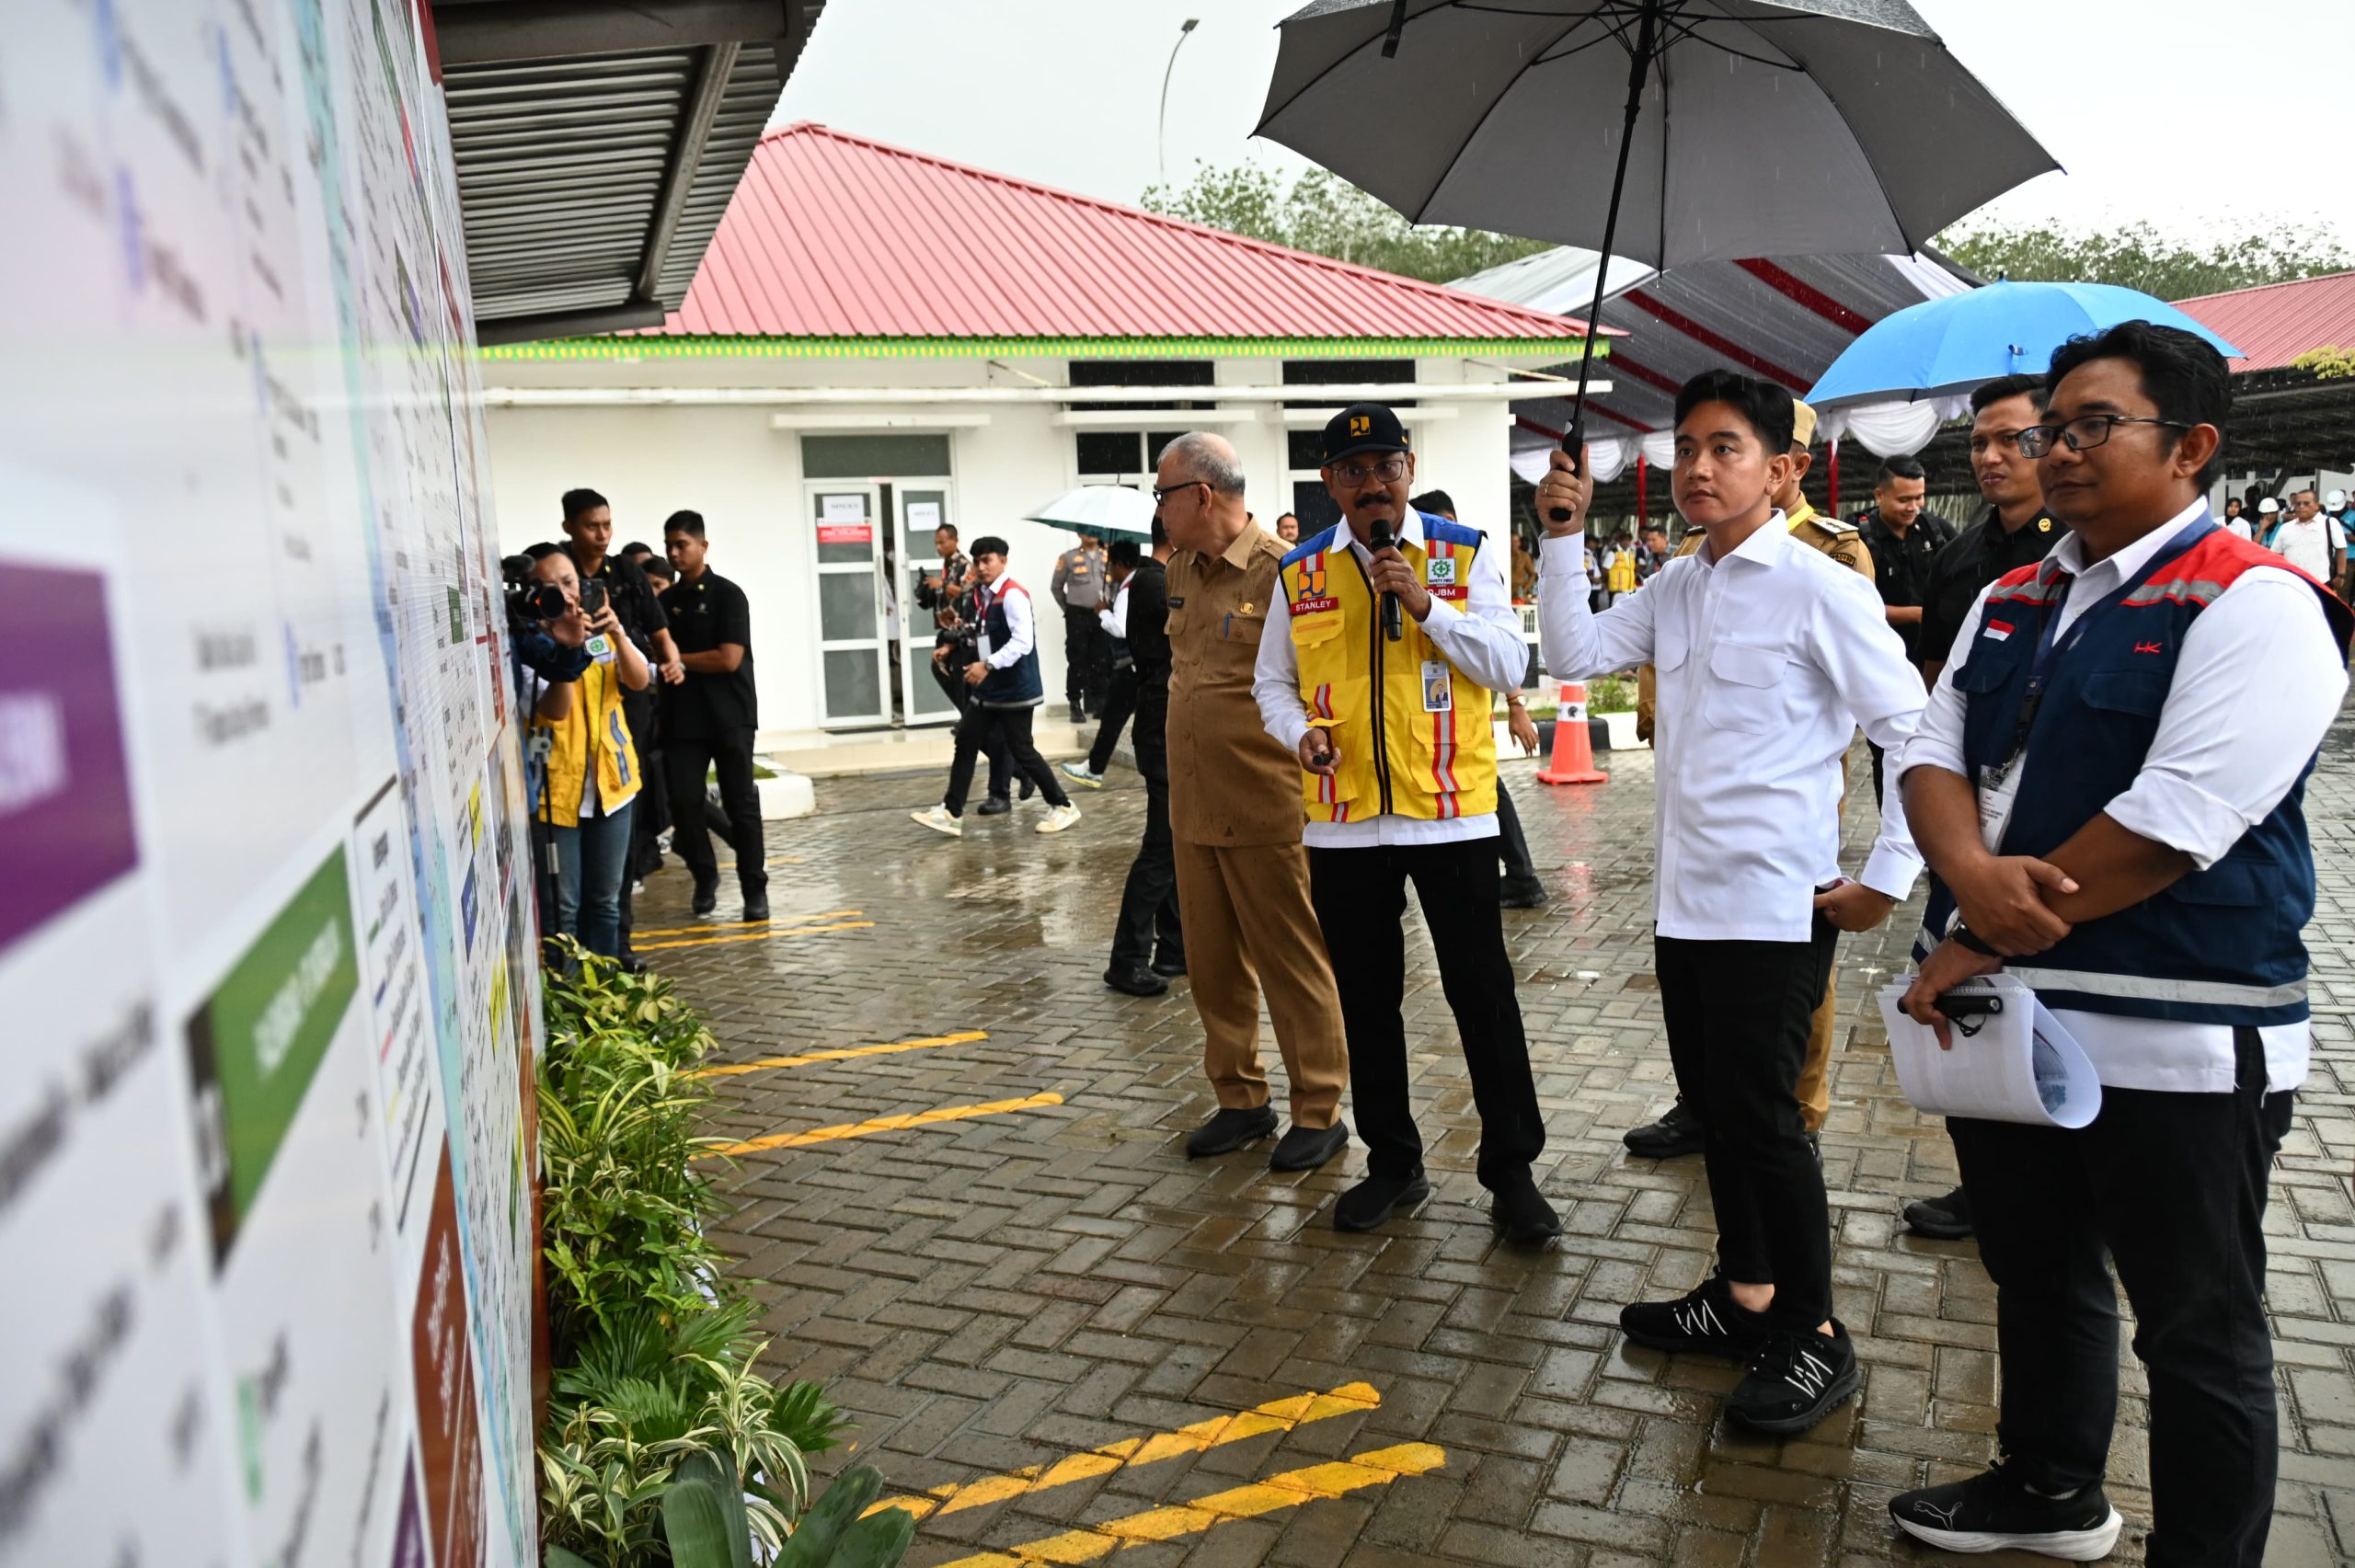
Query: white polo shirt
2307	545
1767	660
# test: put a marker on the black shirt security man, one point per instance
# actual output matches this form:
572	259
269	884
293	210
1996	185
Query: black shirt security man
1904	538
710	719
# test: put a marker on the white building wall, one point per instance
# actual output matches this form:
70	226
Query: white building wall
745	475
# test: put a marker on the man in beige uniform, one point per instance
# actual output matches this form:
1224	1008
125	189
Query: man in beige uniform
1679	1132
1235	814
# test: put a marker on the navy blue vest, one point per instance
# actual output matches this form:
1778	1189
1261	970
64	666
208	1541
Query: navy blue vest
2219	947
1018	685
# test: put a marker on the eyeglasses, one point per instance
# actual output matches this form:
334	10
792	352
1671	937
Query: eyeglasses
2091	430
1390	470
1161	494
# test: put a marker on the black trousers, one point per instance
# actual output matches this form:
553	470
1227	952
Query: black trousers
1360	900
1087	658
687	758
2171	1187
1510	845
1149	901
1119	702
637	712
1878	755
986	730
1739	1014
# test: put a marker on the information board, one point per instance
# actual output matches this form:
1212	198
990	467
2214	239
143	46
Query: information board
266	937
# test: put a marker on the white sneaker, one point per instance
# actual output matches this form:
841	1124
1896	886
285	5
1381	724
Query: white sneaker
938	818
1060	818
1082	774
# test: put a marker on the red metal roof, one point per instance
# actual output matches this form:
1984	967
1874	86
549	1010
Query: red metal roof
2275	324
832	235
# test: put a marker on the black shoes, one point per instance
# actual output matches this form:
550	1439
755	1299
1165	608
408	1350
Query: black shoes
707	897
1520	893
1079	712
1024	789
1678	1132
1795	1381
1372	1202
756	906
1305	1147
1948	1218
995	805
1230	1130
1523	1214
1135	979
1706	1321
1169	964
1995	1512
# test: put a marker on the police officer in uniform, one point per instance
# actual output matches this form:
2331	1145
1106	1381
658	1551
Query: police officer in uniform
1679	1131
1398	773
1081	587
2113	813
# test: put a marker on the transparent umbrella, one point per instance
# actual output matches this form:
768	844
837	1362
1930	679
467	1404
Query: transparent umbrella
1106	511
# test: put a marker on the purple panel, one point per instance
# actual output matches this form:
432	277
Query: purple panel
66	826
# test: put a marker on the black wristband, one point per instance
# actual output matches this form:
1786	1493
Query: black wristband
1962	933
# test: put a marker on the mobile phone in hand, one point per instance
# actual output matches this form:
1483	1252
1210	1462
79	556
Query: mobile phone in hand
593	597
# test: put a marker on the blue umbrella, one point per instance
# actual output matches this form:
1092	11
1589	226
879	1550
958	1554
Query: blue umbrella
1945	347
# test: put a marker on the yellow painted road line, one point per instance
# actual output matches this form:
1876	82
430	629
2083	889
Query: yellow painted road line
1289	1490
708	927
1277	1415
762	935
885	1124
847	1054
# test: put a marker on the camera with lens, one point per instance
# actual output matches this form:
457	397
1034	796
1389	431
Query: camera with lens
930	590
531	605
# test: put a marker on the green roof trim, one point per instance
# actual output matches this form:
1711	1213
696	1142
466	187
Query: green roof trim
666	347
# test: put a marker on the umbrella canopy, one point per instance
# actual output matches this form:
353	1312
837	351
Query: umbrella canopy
1765	127
1943	347
1106	511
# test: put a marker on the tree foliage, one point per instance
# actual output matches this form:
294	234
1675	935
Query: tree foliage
1325	215
2139	257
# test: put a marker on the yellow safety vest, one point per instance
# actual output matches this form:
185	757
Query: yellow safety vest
1408	746
594	727
1621	578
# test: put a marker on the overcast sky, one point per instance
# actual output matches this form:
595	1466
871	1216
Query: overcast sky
2193	114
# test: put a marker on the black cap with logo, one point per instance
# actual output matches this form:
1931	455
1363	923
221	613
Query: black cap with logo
1362	427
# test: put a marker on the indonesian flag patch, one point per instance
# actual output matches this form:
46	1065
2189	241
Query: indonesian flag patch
1998	630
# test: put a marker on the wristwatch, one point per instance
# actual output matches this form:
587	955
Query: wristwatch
1963	934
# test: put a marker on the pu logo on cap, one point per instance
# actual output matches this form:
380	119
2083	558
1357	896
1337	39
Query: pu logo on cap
1361	423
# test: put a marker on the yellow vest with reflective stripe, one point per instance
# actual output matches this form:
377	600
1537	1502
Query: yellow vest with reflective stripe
1431	755
592	733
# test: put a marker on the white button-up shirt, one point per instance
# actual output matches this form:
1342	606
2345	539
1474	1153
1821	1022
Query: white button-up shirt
1482	640
1768	660
2258	681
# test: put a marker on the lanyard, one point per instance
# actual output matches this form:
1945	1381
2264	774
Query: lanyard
2051	645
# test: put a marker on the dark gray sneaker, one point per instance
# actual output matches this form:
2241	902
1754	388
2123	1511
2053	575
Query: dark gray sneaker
1678	1132
1305	1147
1996	1512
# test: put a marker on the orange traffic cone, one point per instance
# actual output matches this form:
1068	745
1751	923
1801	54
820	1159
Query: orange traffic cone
1573	758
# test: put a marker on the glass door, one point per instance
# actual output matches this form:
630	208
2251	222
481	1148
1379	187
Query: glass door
855	686
921	511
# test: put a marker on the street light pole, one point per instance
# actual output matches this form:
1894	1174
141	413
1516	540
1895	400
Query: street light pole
1160	127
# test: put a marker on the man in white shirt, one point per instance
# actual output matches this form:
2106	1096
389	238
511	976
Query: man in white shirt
1769	655
2310	539
1385	642
2112	810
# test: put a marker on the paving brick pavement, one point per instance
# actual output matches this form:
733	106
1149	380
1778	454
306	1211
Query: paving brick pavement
1047	1298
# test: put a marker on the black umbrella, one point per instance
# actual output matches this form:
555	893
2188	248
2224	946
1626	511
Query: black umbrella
1764	127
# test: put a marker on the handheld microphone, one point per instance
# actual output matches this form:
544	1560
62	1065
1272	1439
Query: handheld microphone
1392	625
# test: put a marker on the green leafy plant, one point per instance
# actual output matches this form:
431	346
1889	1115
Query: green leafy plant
1610	694
1324	214
664	1444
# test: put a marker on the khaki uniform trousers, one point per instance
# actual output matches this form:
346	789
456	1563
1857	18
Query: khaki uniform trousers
1248	920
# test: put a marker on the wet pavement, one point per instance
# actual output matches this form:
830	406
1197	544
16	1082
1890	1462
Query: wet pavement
1063	1342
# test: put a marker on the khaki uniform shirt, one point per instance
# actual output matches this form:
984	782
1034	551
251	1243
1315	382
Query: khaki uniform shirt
1231	782
1841	541
1080	580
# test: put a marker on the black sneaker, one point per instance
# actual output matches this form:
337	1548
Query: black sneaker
1372	1202
1520	893
1707	1319
1168	965
995	805
1522	1212
1305	1147
1996	1511
1795	1381
1948	1218
1678	1132
1230	1129
707	897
